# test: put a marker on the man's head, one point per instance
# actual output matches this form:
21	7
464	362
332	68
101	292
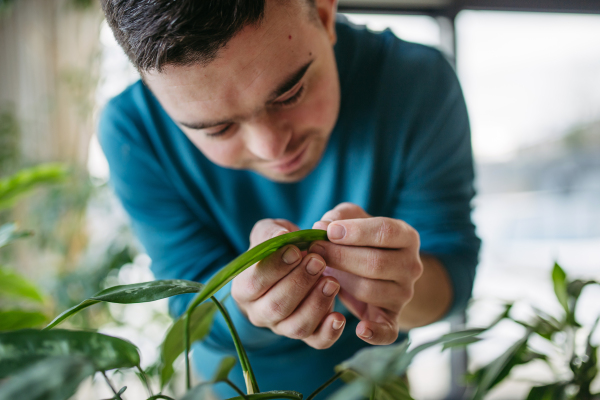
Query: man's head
253	84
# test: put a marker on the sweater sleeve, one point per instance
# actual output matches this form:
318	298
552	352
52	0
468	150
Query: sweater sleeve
180	243
435	193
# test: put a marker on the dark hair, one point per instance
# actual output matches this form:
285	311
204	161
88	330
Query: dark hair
155	33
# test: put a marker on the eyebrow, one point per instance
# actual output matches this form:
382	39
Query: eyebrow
288	84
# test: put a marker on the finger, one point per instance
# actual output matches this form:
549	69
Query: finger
305	319
378	232
358	308
377	333
345	211
256	280
328	332
284	297
380	293
369	262
321	225
266	229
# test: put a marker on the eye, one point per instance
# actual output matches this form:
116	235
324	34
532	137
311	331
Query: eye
218	132
292	99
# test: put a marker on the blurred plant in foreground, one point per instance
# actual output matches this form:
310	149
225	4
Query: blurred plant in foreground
573	362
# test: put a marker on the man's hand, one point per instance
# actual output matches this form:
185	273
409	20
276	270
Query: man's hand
377	262
287	292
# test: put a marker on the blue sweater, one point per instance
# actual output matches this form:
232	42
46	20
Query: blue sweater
400	148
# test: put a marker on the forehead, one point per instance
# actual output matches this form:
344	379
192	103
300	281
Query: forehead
245	71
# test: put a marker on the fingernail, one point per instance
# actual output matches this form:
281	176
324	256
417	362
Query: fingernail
337	324
366	333
314	266
317	249
290	256
336	232
330	288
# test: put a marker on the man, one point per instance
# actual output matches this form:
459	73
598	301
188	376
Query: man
256	119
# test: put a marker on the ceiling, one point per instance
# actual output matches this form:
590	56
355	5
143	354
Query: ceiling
452	7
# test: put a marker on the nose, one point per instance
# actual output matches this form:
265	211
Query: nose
267	138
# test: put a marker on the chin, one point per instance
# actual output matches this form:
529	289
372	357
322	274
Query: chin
293	177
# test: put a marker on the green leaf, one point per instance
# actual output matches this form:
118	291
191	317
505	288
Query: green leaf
382	364
559	278
396	389
200	392
575	288
375	363
460	342
357	390
452	339
249	377
555	391
13	285
173	345
225	367
12	187
500	367
19	349
274	394
135	293
11	320
251	257
9	233
53	378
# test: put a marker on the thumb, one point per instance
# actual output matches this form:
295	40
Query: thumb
377	333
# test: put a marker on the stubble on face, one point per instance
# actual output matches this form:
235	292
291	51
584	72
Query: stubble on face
237	83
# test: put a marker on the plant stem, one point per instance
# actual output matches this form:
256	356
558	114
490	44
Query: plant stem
186	339
160	396
111	386
145	380
251	384
372	393
323	386
234	387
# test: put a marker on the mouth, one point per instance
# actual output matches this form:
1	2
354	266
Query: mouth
292	163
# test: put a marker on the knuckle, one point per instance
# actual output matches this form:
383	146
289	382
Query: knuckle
374	262
273	312
251	286
414	236
299	332
252	317
406	294
302	280
386	231
366	289
322	305
346	205
414	267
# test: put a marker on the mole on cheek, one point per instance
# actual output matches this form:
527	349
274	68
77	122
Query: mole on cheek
290	37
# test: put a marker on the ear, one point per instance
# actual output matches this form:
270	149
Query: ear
326	10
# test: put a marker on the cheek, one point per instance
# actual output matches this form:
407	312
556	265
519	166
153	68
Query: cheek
320	108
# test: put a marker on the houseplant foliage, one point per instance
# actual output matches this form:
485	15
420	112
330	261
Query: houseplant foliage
375	372
51	363
22	305
574	365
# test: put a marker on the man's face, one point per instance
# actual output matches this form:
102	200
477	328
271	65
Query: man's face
270	99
